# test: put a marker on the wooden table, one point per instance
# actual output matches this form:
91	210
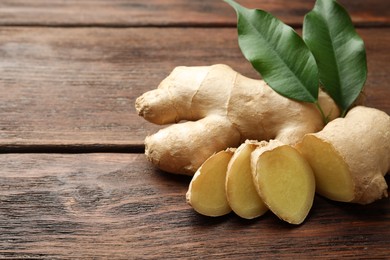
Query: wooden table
74	182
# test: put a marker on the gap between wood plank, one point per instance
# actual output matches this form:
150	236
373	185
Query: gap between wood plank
72	149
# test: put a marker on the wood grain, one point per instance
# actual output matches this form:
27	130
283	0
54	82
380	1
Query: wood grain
122	13
118	206
75	88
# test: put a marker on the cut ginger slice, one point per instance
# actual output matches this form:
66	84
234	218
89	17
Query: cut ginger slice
284	180
240	190
333	178
206	193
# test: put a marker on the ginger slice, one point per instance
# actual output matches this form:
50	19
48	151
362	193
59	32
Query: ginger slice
284	181
206	193
240	190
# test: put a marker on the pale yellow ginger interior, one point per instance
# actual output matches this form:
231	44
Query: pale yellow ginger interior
286	183
333	178
240	189
206	193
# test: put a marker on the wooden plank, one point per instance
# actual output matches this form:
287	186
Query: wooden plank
170	12
119	206
76	87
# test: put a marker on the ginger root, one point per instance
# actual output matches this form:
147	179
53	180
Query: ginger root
216	108
350	156
284	181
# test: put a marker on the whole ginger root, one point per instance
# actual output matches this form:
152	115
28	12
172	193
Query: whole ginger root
214	107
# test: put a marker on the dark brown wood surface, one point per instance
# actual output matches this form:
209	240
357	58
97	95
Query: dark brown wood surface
74	182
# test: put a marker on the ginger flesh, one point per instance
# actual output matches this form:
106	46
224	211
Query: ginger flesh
351	156
284	181
211	108
333	179
240	189
206	193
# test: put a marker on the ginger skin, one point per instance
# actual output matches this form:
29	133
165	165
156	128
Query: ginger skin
221	109
351	156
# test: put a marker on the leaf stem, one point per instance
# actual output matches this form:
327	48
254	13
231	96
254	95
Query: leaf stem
343	113
324	118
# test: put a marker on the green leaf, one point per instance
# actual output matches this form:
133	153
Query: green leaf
339	51
278	53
